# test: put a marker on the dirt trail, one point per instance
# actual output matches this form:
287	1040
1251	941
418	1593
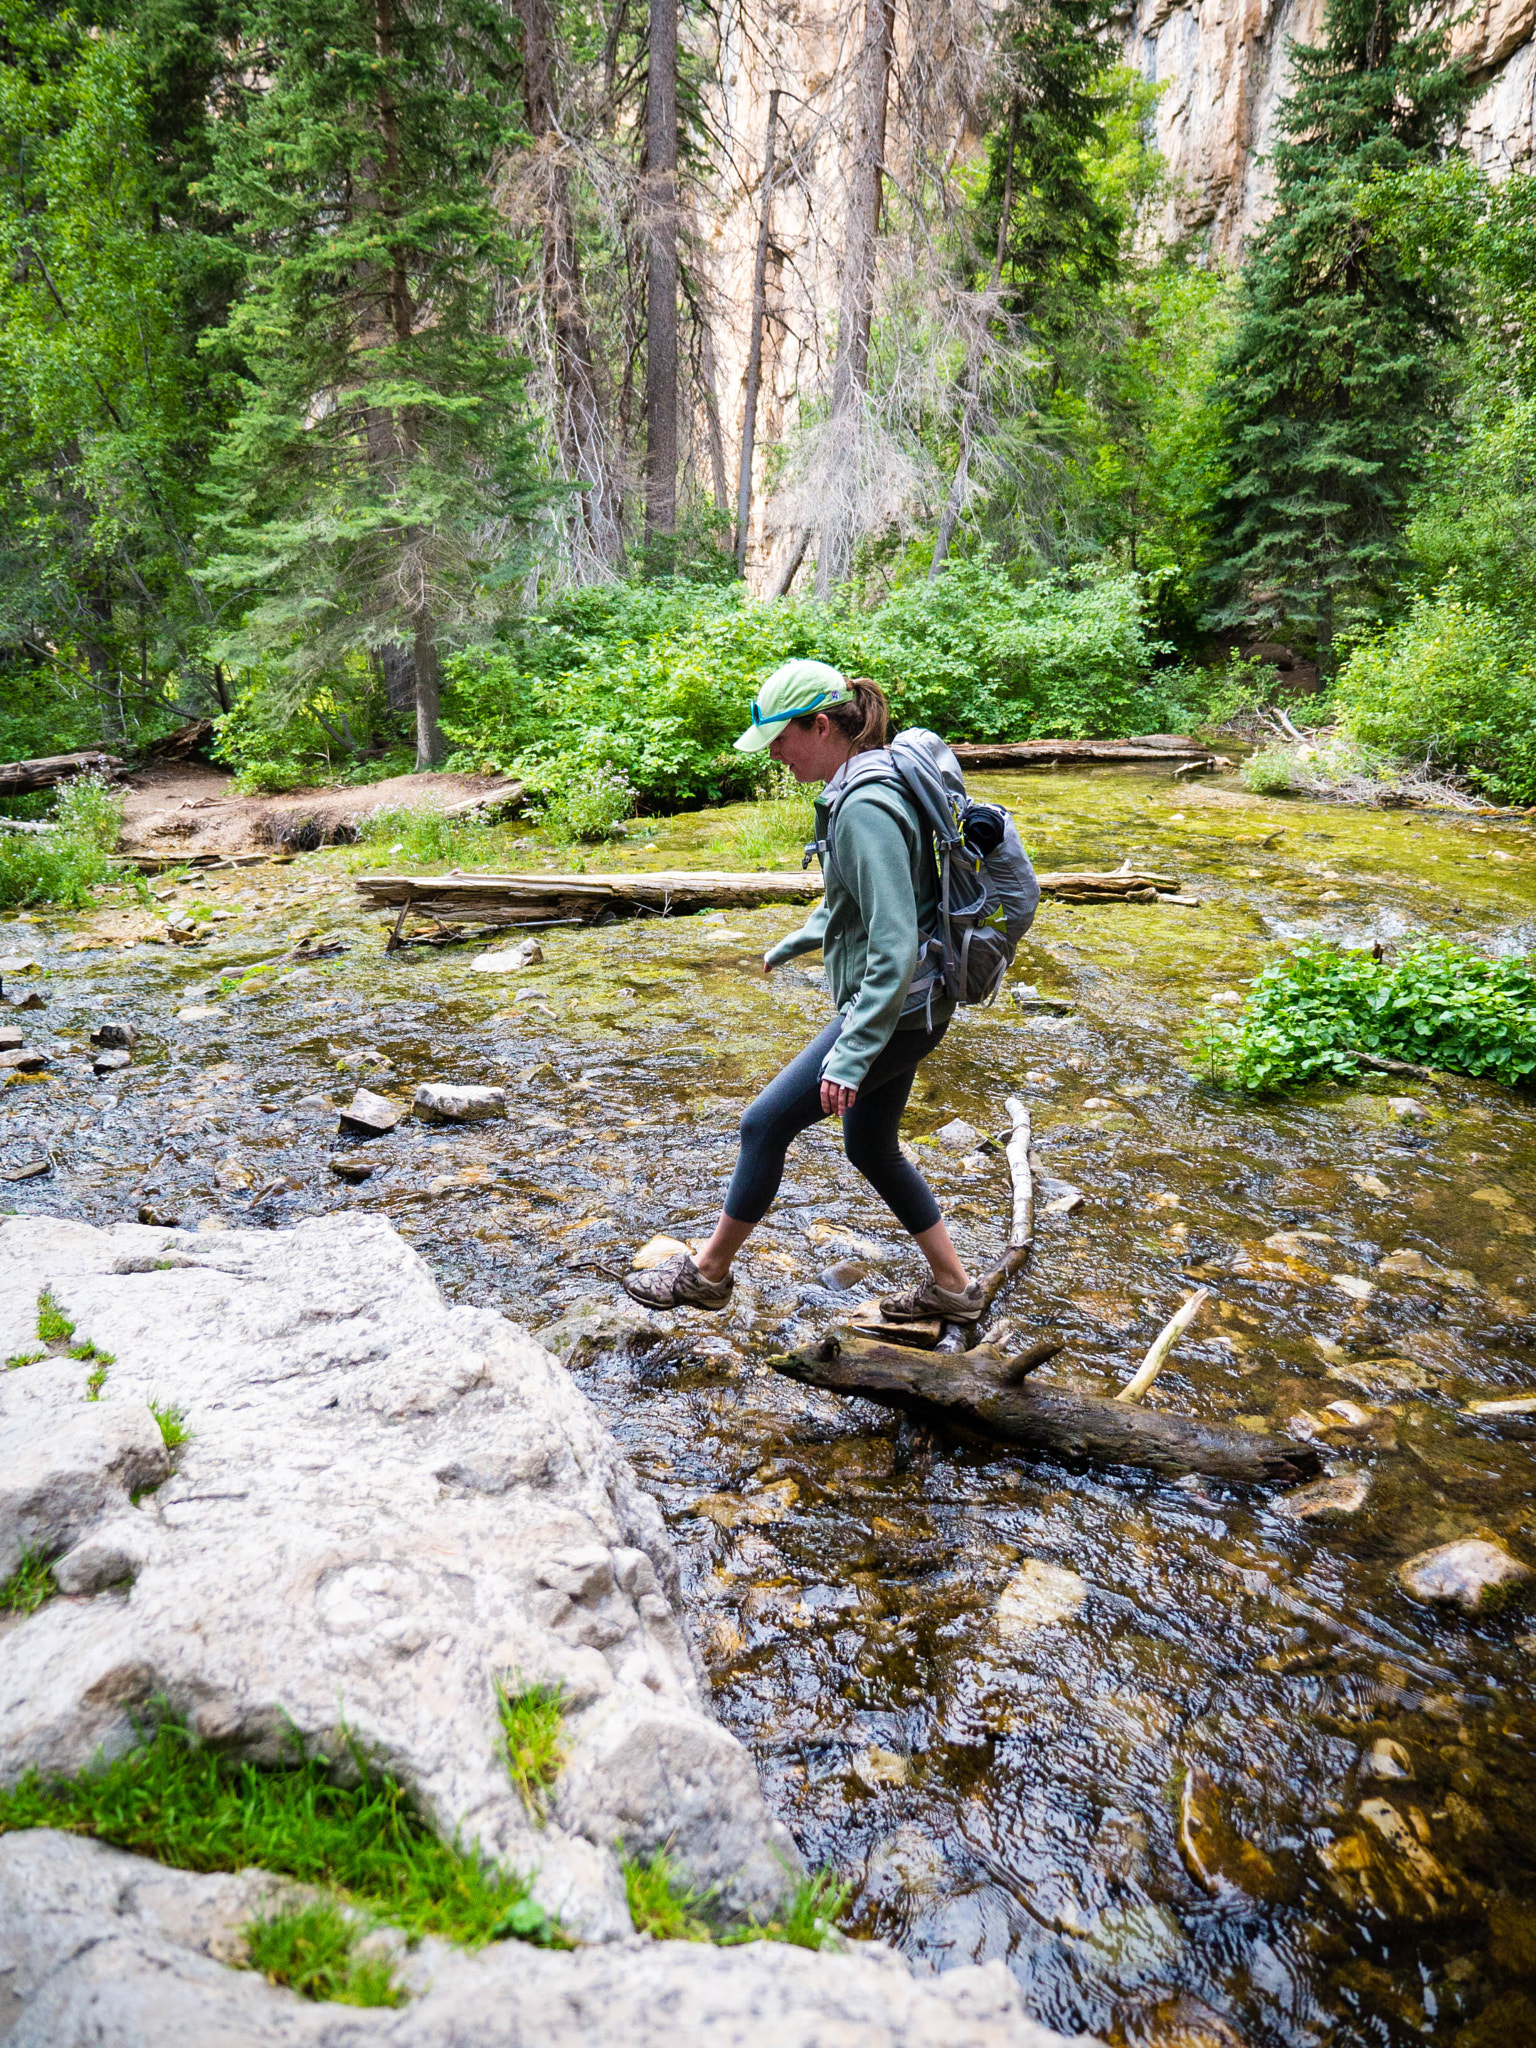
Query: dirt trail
190	810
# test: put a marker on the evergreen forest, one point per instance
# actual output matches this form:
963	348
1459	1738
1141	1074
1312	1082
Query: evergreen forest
466	385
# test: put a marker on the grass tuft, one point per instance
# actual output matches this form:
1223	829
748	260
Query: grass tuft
533	1728
20	1358
200	1810
53	1326
310	1949
96	1378
28	1586
173	1424
662	1903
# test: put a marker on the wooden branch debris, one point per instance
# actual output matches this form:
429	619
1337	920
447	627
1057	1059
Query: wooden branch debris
1021	1234
1125	885
971	1392
1156	749
506	800
21	778
1162	1346
1378	1063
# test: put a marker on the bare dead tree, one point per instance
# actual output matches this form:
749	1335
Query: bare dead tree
755	339
661	284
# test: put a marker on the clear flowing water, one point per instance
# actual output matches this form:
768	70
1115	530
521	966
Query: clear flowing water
987	1689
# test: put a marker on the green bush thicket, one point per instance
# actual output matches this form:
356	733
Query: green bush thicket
654	682
1453	684
63	866
1435	1005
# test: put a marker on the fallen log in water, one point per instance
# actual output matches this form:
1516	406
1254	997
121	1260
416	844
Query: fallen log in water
530	899
969	1391
995	754
21	778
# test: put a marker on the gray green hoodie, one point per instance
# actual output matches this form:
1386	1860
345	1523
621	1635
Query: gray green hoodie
881	889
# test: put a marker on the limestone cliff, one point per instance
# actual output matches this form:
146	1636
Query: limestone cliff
1224	66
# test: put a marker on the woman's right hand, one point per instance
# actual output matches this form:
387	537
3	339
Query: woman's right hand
767	966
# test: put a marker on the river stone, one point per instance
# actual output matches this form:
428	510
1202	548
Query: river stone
1470	1573
595	1324
111	1062
316	1561
367	1115
1386	1759
655	1252
957	1136
199	1013
529	954
120	1036
11	1036
28	1059
101	1947
436	1102
1344	1494
1037	1595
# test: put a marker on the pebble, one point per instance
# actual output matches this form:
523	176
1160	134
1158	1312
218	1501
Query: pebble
958	1136
1344	1494
1386	1759
199	1013
352	1171
1037	1595
1352	1285
367	1115
162	1219
1472	1574
436	1102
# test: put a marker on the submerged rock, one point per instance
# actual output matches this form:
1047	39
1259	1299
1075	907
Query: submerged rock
1037	1595
1471	1574
1344	1494
367	1115
111	1062
594	1325
1217	1854
529	954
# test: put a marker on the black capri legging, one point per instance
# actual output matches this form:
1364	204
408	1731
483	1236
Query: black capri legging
792	1103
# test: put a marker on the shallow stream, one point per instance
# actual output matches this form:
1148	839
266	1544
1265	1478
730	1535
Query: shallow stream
987	1691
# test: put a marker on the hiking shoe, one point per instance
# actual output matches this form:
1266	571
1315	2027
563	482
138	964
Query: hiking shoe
677	1283
920	1304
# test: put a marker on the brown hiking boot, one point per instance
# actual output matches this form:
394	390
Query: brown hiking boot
677	1283
921	1304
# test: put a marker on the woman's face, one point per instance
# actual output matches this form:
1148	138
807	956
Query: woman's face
810	753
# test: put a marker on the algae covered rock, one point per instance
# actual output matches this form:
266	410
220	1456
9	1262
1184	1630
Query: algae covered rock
1477	1576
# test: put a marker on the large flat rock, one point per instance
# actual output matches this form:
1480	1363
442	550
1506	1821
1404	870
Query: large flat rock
103	1950
387	1504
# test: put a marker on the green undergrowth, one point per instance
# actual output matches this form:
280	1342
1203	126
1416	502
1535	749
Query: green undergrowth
65	865
533	1741
173	1425
664	1905
28	1587
196	1809
1435	1005
312	1949
53	1326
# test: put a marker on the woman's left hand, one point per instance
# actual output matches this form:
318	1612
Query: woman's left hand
837	1101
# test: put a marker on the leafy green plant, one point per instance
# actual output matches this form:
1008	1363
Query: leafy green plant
533	1732
1436	1004
662	1903
1271	771
810	1919
53	1326
1454	684
28	1586
311	1949
585	801
173	1425
201	1810
63	866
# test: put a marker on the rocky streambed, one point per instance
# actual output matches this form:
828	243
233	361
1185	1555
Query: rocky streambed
1195	1765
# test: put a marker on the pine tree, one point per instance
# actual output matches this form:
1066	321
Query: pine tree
377	461
1330	387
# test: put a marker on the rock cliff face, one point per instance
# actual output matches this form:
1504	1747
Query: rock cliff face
1224	66
386	1505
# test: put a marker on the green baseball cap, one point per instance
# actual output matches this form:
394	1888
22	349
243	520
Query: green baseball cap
793	691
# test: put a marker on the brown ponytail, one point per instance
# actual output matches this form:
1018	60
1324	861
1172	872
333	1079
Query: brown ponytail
866	722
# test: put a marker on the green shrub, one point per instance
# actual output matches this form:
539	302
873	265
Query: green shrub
654	681
1435	1005
1452	684
585	801
425	836
310	1949
65	865
1271	771
198	1809
283	734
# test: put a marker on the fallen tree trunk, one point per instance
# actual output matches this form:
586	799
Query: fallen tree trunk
968	1391
21	778
563	899
1077	753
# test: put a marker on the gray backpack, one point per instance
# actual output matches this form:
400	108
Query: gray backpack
987	889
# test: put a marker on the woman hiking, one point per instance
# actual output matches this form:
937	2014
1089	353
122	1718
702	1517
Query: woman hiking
881	894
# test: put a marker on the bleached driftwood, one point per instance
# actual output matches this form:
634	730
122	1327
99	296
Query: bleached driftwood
1162	1345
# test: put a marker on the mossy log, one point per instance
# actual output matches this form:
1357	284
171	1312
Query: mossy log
975	1392
21	778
